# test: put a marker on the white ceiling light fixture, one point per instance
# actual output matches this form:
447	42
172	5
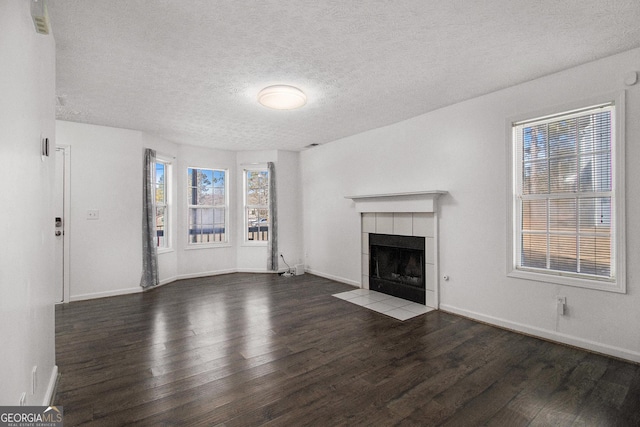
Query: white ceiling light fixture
282	97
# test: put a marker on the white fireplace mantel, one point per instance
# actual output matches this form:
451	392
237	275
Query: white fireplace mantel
417	201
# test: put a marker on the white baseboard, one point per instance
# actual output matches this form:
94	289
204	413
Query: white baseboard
596	347
167	281
51	388
106	294
257	270
229	271
162	283
332	277
205	274
119	291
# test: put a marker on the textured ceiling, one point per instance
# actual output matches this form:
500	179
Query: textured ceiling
189	70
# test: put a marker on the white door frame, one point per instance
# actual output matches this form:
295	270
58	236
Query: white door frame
66	218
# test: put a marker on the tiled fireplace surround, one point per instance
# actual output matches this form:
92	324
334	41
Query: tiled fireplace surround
407	214
404	224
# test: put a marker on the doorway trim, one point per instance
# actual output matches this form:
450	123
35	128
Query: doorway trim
66	151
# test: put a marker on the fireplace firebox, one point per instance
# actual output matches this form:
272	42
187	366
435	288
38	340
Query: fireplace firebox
397	266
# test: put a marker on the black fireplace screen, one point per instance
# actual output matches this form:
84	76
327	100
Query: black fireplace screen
397	266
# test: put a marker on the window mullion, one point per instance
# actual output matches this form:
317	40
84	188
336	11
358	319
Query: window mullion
579	189
579	267
548	219
548	234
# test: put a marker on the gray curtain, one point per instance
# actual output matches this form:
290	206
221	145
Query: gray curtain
272	246
149	247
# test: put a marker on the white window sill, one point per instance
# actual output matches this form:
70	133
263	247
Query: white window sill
165	251
601	285
208	246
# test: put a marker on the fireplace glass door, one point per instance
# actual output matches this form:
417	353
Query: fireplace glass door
397	266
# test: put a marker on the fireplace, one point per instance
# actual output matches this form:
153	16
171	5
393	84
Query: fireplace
409	214
397	266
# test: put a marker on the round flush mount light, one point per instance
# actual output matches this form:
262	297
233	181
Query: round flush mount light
282	97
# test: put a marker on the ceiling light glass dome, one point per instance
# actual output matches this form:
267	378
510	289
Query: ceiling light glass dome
282	97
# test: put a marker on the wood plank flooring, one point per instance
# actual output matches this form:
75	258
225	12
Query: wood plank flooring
260	349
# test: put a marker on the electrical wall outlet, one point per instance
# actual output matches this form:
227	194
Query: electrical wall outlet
93	214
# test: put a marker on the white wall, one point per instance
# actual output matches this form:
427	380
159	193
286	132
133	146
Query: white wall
27	109
106	175
252	257
289	195
463	149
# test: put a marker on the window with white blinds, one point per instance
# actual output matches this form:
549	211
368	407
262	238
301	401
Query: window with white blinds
564	194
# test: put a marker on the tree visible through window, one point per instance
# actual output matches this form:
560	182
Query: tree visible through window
564	194
207	199
162	210
257	205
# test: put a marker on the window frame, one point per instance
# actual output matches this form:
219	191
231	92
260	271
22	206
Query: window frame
246	206
168	192
225	206
618	253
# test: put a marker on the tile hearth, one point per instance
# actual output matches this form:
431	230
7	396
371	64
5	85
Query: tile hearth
388	305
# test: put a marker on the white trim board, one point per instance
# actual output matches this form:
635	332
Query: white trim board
335	278
417	201
95	295
199	275
167	281
546	334
205	274
259	271
51	388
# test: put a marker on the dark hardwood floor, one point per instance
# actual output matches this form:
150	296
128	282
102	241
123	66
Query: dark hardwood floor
249	349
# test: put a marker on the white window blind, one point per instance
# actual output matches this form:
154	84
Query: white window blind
564	194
